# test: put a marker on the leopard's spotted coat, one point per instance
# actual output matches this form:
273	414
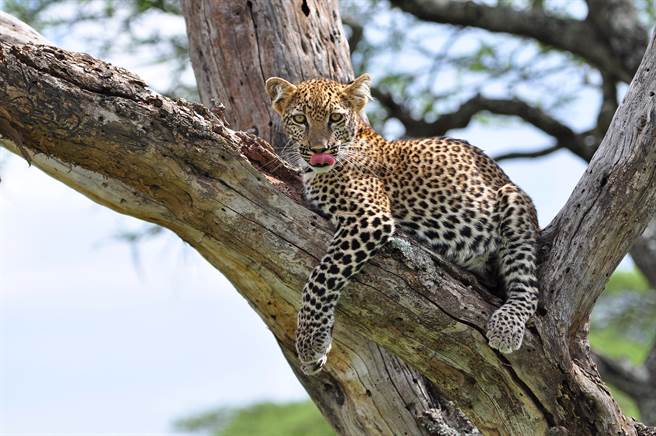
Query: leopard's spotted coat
444	191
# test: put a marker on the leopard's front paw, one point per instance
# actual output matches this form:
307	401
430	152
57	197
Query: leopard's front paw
313	348
505	329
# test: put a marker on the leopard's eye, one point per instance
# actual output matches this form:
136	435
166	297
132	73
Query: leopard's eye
299	118
336	116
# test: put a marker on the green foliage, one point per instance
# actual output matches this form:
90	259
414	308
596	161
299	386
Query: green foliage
262	419
627	404
623	324
613	343
624	318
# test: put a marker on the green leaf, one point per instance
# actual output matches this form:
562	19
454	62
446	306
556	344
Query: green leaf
271	419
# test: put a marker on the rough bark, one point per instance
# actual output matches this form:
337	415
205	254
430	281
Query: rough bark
98	129
236	45
299	44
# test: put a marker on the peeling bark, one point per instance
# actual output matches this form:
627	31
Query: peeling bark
100	130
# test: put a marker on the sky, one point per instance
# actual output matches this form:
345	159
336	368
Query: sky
93	342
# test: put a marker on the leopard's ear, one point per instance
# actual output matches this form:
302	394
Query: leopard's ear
357	93
280	91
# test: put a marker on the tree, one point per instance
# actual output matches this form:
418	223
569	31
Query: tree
101	131
547	55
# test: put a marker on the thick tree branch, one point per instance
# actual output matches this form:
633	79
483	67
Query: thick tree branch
180	167
627	153
570	35
101	131
461	117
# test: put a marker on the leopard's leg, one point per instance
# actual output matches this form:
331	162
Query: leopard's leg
354	242
517	269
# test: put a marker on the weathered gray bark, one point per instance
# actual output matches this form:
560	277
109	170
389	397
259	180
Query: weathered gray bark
236	45
99	130
299	44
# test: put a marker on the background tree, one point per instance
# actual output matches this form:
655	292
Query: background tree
246	126
271	419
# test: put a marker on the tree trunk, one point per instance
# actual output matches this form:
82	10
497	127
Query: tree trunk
99	129
263	38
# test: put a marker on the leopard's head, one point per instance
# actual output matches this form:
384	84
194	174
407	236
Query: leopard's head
319	116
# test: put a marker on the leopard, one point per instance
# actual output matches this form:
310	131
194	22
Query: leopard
443	192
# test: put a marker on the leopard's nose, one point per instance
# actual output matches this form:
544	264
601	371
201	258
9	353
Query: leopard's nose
319	148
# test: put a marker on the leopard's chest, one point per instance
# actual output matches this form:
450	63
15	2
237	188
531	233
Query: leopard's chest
321	193
337	193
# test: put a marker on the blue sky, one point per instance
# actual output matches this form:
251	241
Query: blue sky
91	344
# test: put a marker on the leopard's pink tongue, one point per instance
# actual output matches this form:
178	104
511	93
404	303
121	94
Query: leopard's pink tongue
321	159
